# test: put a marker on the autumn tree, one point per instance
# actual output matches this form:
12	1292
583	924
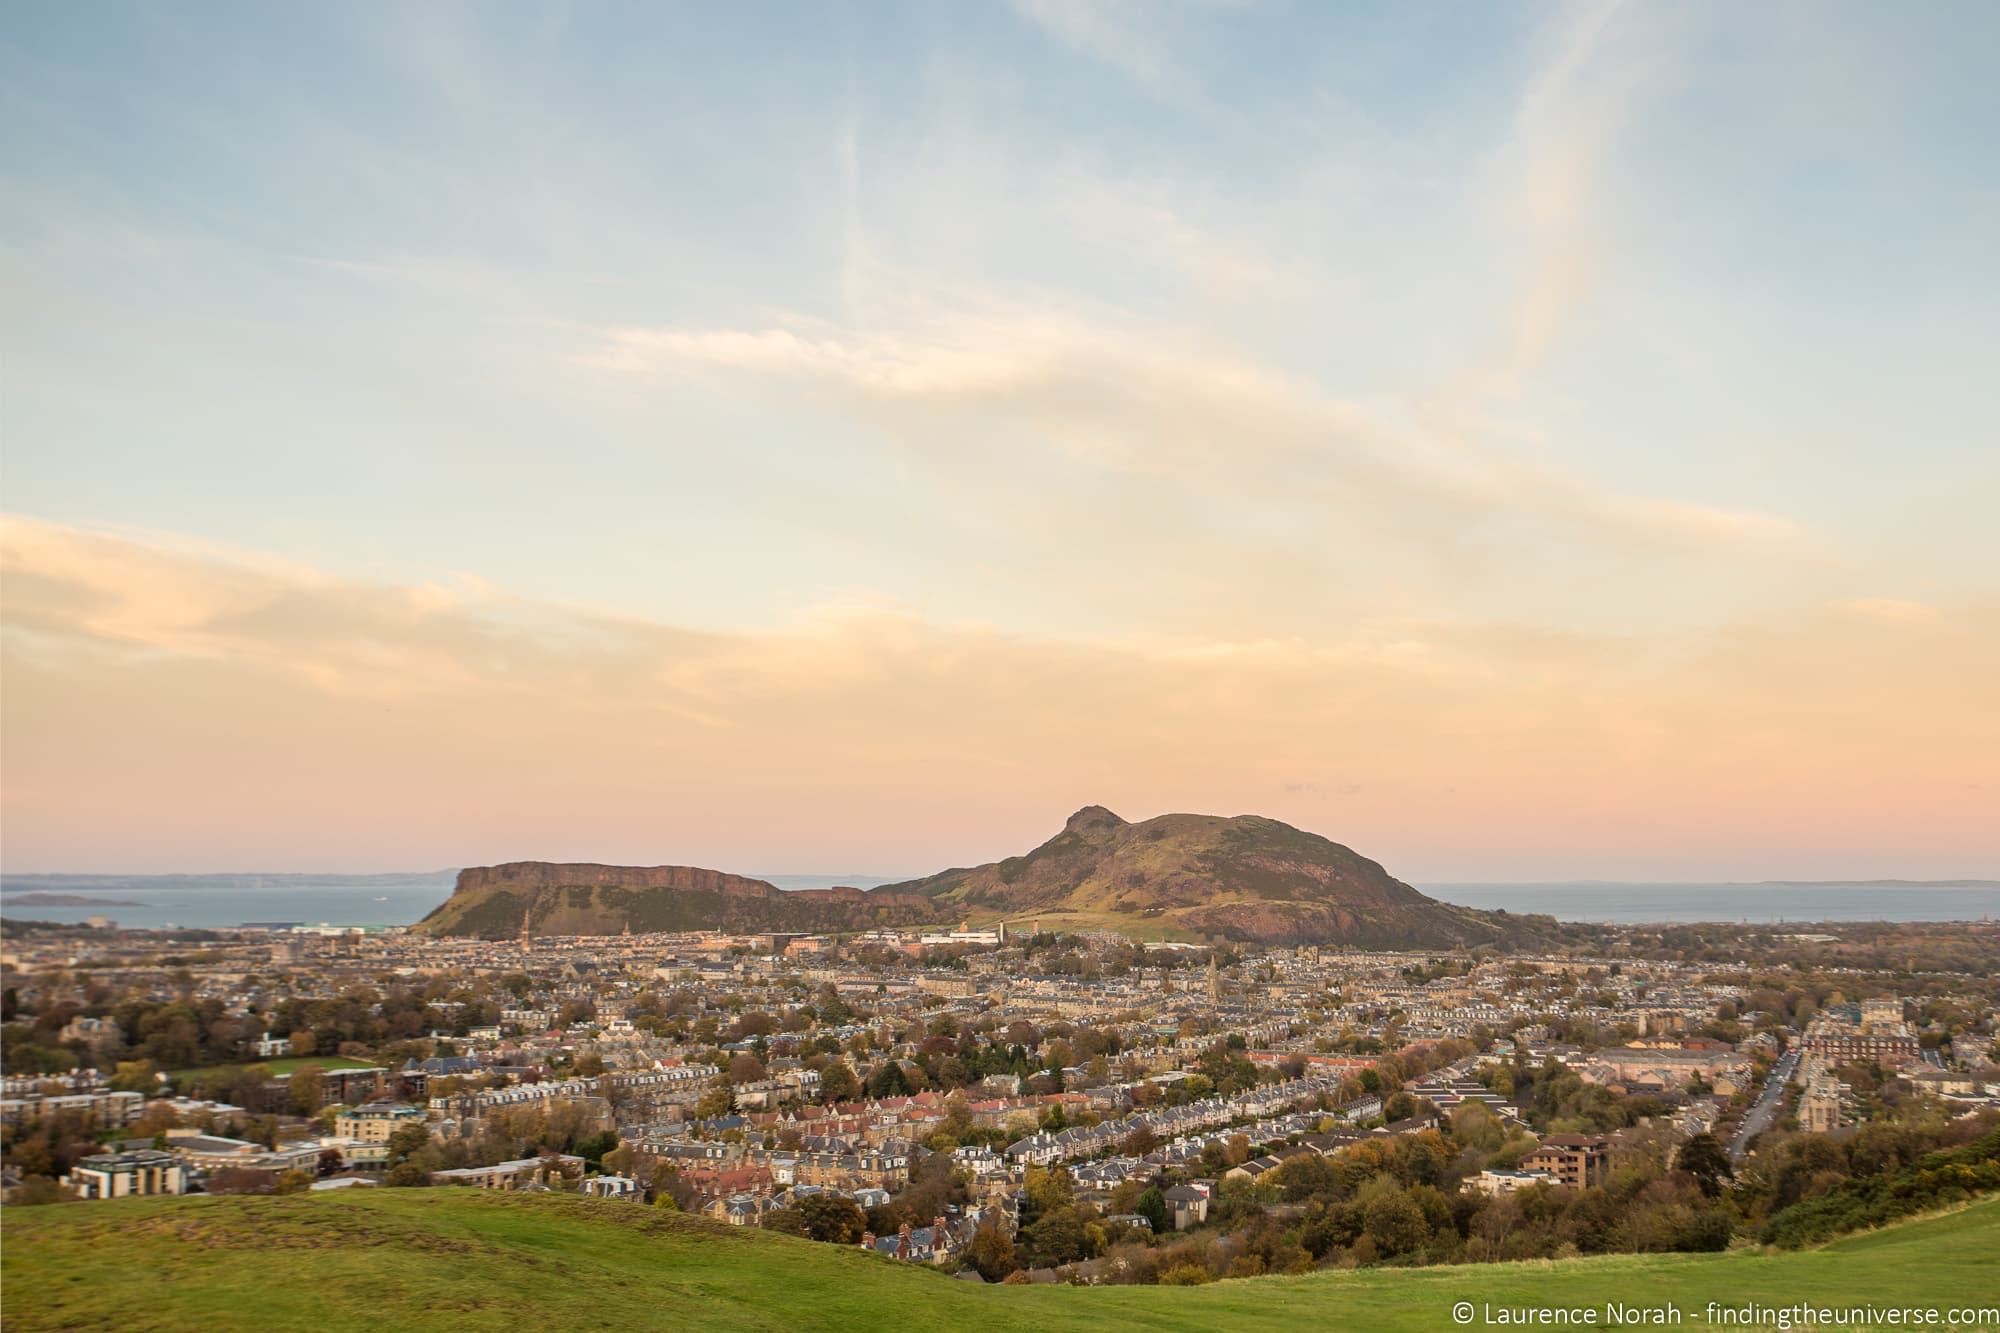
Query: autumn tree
837	1082
308	1088
134	1076
832	1219
992	1251
1706	1160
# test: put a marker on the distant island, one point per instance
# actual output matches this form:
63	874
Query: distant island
67	900
1879	883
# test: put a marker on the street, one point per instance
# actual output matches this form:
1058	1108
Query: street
1765	1109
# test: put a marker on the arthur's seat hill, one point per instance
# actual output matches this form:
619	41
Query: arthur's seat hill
1244	879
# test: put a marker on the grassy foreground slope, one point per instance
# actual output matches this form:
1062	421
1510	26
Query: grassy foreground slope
450	1259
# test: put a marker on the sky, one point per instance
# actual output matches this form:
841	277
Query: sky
1520	442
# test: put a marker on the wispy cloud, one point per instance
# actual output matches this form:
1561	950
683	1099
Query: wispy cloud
1165	405
1123	34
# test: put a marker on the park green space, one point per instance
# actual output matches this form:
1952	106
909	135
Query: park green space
283	1065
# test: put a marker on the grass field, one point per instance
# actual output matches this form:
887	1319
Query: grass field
283	1065
463	1259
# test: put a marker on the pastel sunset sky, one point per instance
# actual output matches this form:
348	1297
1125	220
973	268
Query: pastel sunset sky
1517	441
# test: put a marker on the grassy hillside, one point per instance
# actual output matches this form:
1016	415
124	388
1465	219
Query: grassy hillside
460	1259
1245	878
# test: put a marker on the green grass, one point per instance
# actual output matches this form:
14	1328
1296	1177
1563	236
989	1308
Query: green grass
463	1259
283	1065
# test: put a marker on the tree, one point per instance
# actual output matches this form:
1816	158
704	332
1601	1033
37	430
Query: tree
1152	1206
837	1082
44	1189
889	1081
785	1221
407	1173
1306	1175
958	1121
1705	1159
308	1087
992	1251
1139	1142
588	1065
405	1141
1395	1223
832	1219
1046	1189
1057	1236
718	1101
592	1147
329	1162
134	1076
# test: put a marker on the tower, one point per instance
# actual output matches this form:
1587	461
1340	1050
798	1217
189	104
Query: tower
527	939
1214	979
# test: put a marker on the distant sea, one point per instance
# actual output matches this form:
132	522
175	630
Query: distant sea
1969	900
233	900
400	899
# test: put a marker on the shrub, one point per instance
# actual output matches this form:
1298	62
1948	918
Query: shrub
1935	1180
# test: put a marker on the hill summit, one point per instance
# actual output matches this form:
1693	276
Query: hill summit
1248	879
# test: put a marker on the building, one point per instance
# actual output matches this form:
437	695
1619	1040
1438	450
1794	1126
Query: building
1189	1204
511	1175
613	1187
122	1175
1576	1160
375	1122
207	1152
1819	1108
102	1110
1495	1183
1870	1032
94	1031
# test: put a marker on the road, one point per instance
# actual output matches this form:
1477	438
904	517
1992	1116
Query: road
1765	1109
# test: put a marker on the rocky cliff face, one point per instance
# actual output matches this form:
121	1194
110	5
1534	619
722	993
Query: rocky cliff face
584	898
534	875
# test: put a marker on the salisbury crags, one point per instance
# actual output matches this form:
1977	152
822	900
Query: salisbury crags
588	899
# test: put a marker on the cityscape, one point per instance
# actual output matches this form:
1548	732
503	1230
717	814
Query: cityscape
1011	1104
1201	666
